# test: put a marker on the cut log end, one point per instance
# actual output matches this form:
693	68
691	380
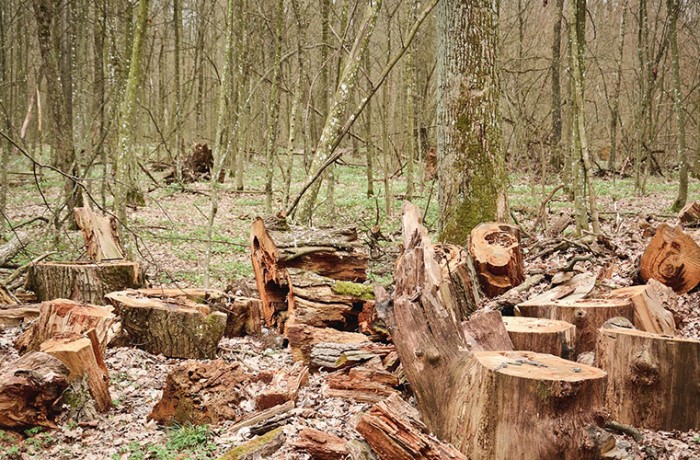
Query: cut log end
557	338
673	258
497	256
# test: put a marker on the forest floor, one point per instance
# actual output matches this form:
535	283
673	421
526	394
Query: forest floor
172	234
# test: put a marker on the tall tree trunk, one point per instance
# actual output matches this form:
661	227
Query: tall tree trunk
410	82
615	112
177	29
471	166
5	116
99	101
127	185
555	70
673	7
369	144
644	109
274	105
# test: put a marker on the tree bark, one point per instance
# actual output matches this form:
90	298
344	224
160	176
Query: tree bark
554	337
673	7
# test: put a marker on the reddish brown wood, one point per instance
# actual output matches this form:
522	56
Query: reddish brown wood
363	384
673	258
321	445
302	339
284	387
495	249
485	331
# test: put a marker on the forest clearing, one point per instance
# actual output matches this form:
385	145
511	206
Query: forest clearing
381	230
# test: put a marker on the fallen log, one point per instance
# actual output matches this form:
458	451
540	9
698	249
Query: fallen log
64	317
362	384
172	327
334	356
12	247
512	404
495	249
394	431
29	389
588	315
302	338
673	258
82	281
84	360
321	445
649	312
550	336
100	234
652	379
201	392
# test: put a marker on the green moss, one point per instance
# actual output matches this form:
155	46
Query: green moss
357	290
251	446
543	392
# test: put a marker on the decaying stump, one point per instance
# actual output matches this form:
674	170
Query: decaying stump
66	316
243	316
172	327
485	331
303	338
321	445
283	387
557	338
82	281
196	167
649	312
588	315
29	389
335	254
362	384
100	235
512	404
201	392
690	214
83	358
495	249
461	283
394	430
673	258
652	379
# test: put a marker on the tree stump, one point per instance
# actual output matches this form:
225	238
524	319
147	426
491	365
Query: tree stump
588	315
652	379
84	360
556	338
485	331
511	404
66	316
690	214
673	258
172	327
243	317
498	260
649	312
82	281
29	388
100	235
461	281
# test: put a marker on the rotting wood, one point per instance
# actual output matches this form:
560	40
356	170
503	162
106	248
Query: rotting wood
321	445
82	281
652	379
495	249
690	214
258	448
15	315
507	404
303	338
100	234
394	431
550	336
461	283
83	359
673	258
362	384
284	387
66	316
29	389
262	416
333	356
175	328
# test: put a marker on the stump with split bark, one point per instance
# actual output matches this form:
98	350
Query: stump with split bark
649	312
82	281
29	389
172	327
512	404
100	235
652	379
550	336
690	214
495	248
461	283
673	258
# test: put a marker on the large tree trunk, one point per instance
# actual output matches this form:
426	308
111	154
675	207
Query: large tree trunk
82	281
471	158
481	402
29	388
652	379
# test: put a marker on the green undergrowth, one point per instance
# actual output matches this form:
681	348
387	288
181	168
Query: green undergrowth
189	442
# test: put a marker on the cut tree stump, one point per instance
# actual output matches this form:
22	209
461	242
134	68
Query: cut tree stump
550	336
243	317
303	338
321	445
652	379
649	312
394	431
275	247
66	316
82	281
588	315
486	331
690	214
84	360
201	392
488	404
461	281
100	234
495	249
29	389
176	328
673	258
